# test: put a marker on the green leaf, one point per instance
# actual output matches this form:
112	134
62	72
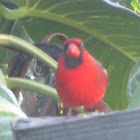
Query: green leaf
33	86
5	93
5	129
9	110
135	4
21	2
5	27
110	33
19	30
2	81
133	87
135	99
15	28
32	50
126	3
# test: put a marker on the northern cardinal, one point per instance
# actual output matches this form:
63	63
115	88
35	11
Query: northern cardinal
80	79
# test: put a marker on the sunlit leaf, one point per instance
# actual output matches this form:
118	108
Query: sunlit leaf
9	110
133	87
135	99
135	4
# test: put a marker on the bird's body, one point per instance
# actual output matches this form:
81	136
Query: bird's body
80	79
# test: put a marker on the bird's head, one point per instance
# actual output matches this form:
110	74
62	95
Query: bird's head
73	47
73	52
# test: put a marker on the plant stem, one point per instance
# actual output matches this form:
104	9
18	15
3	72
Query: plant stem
36	87
20	44
33	86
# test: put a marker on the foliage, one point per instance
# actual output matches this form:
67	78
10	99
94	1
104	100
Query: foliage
110	33
9	110
136	5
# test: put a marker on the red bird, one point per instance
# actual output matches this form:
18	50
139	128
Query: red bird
80	78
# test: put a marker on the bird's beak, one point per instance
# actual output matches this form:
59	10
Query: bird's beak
73	50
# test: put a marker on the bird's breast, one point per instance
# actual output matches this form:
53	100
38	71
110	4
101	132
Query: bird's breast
82	85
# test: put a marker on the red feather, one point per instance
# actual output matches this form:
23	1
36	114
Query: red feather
84	85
